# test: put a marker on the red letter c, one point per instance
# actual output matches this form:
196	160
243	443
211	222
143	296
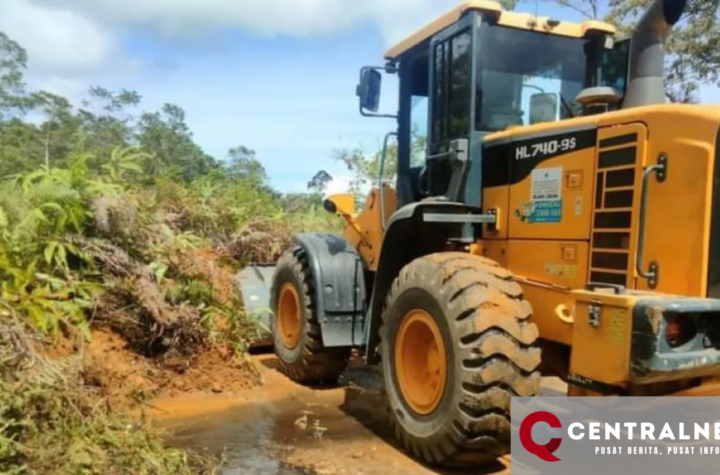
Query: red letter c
545	452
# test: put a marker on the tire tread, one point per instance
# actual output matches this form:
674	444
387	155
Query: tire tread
317	364
497	357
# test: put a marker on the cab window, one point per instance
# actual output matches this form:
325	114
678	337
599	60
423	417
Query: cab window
451	91
525	78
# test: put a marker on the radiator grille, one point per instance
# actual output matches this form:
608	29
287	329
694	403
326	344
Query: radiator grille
613	216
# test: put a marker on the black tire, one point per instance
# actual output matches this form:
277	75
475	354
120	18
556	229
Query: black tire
308	362
491	355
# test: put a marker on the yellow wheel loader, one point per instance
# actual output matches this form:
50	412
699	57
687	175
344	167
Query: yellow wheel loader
551	215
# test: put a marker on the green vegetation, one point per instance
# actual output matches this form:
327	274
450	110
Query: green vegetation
52	423
117	219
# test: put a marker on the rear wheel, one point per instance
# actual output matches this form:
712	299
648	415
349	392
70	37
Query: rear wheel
297	336
457	344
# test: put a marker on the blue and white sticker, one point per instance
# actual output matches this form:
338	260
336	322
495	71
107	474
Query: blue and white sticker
546	212
545	204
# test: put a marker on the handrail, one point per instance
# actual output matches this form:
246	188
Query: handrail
449	153
381	184
652	274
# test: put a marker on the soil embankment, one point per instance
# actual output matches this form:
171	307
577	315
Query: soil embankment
129	380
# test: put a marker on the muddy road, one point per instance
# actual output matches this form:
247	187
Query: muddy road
282	428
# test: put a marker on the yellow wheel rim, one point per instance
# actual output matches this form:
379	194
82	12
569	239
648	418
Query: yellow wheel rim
420	361
289	319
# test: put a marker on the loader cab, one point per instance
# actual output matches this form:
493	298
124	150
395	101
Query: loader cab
480	70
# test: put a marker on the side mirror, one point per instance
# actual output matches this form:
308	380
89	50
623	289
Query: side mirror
369	90
544	107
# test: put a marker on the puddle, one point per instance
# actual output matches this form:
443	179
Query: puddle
252	437
336	430
279	424
248	437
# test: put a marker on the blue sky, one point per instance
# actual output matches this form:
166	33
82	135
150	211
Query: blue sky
277	76
290	99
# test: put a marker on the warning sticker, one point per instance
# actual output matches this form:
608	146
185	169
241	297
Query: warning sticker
546	184
569	271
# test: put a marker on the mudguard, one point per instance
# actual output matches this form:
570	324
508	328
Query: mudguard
416	230
339	276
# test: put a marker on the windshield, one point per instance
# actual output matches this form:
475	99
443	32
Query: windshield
527	78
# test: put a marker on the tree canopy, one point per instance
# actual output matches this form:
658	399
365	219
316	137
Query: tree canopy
693	46
319	182
105	120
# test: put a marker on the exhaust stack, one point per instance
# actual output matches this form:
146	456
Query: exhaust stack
646	82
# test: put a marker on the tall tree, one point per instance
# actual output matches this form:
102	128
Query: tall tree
13	61
166	135
365	168
693	46
243	164
318	184
105	120
60	128
17	138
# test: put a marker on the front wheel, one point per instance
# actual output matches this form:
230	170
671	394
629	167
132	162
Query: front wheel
456	344
296	331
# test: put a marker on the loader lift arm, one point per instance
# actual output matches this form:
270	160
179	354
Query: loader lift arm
416	230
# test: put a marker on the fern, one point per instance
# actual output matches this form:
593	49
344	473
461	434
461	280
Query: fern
124	160
96	219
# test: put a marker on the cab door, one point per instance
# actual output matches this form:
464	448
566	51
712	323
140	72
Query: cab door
451	86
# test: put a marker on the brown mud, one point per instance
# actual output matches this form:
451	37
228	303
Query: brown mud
130	375
131	381
281	428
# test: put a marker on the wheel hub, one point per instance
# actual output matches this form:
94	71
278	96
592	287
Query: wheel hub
288	318
420	361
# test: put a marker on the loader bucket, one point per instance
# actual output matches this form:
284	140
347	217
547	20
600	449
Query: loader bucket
254	282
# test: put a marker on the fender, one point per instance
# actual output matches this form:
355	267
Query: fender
339	276
417	230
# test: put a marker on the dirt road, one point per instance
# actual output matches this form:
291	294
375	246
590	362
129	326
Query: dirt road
282	428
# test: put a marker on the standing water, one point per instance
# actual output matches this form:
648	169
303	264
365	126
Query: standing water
282	428
249	438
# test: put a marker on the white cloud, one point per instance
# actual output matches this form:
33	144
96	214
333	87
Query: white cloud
58	40
294	124
76	37
267	17
339	184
